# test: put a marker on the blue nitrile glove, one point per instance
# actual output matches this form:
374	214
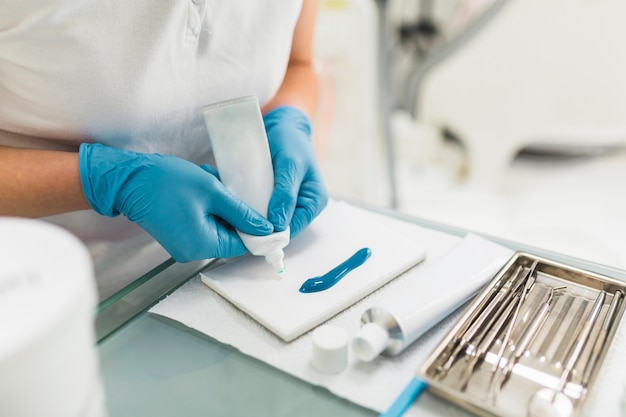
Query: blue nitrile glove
299	190
174	200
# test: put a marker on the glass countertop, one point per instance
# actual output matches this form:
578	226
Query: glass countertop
153	366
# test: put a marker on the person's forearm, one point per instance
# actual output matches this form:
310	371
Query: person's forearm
300	86
299	89
37	183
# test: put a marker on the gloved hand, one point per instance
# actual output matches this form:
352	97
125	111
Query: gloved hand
175	201
299	190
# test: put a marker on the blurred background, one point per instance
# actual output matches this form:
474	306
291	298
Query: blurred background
506	118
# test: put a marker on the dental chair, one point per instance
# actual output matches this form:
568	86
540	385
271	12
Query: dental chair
546	75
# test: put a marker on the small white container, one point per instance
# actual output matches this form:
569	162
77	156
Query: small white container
243	159
48	361
330	349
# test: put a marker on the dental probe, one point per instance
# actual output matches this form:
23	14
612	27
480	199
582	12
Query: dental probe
574	322
507	307
463	341
526	339
484	346
604	331
484	308
548	342
492	331
553	402
505	341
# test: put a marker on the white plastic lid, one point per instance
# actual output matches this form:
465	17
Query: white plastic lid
369	342
330	349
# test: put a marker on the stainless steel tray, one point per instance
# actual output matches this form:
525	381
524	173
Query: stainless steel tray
534	339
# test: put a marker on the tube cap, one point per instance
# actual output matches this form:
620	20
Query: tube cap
369	342
275	258
330	349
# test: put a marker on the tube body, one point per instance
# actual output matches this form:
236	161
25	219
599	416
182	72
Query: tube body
243	159
432	293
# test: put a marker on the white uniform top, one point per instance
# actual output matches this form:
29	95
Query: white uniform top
134	75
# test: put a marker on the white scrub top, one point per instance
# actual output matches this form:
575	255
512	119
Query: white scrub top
132	74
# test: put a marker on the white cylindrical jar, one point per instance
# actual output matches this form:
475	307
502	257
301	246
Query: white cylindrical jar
48	361
243	159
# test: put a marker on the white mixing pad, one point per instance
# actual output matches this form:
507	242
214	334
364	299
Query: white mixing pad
339	232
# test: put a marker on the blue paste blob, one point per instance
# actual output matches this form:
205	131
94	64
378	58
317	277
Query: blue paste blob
332	277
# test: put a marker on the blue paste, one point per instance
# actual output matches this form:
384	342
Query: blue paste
332	277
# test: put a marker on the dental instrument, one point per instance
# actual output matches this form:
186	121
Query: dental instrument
505	341
575	320
502	296
532	365
544	348
553	402
492	334
505	306
601	339
525	340
484	346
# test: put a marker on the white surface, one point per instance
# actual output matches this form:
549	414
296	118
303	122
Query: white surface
48	363
334	236
330	348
